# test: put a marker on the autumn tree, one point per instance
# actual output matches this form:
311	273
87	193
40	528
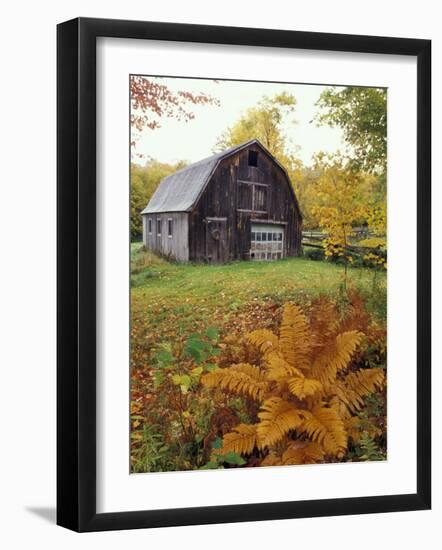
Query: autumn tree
152	100
263	122
362	114
342	201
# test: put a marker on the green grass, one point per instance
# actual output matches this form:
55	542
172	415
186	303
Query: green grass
170	300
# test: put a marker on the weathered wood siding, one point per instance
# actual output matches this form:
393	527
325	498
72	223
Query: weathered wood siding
176	246
223	196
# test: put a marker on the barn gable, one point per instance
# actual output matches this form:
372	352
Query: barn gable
180	191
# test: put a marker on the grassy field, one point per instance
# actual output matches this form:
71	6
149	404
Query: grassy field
173	427
171	300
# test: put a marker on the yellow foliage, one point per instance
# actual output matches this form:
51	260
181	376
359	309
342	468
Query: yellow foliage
277	418
306	395
242	440
324	426
242	379
264	339
293	338
303	387
357	385
336	356
302	452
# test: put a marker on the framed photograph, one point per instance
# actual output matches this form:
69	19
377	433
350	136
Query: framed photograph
243	274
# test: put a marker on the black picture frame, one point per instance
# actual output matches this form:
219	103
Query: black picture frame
76	274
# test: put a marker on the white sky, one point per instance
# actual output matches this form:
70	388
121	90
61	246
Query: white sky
194	140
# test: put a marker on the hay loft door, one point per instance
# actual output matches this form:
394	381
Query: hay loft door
267	241
216	240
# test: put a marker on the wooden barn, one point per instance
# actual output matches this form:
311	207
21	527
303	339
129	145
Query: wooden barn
238	204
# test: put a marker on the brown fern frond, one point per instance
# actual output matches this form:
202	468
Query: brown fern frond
304	387
242	440
294	340
335	357
265	340
357	385
356	317
324	426
277	417
278	369
324	320
241	379
302	452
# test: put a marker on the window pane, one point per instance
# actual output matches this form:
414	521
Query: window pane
264	236
258	236
253	235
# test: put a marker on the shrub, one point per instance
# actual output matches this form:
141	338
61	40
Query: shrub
316	254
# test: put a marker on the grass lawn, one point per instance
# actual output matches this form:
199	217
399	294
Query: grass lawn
170	300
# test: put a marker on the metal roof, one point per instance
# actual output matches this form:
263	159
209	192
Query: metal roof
180	191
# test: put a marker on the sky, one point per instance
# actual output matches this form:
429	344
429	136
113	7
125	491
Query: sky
195	140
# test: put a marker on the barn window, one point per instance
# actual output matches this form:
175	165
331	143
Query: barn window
245	196
252	196
170	228
260	198
253	158
159	227
149	226
266	242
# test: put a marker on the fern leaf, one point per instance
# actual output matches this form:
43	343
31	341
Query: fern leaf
277	417
264	339
335	357
294	340
303	452
241	440
325	427
278	369
303	387
241	379
356	385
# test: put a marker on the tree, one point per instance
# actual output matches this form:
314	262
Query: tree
263	122
362	114
152	100
342	201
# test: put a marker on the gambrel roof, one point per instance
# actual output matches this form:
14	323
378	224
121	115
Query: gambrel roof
180	191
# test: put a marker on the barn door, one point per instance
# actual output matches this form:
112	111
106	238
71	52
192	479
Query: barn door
216	240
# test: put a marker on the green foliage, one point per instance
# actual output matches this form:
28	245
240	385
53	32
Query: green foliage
218	459
149	451
368	449
362	114
316	254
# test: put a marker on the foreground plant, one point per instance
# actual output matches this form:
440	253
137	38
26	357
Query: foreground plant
309	394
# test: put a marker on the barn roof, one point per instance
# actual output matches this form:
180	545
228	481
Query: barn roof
180	191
